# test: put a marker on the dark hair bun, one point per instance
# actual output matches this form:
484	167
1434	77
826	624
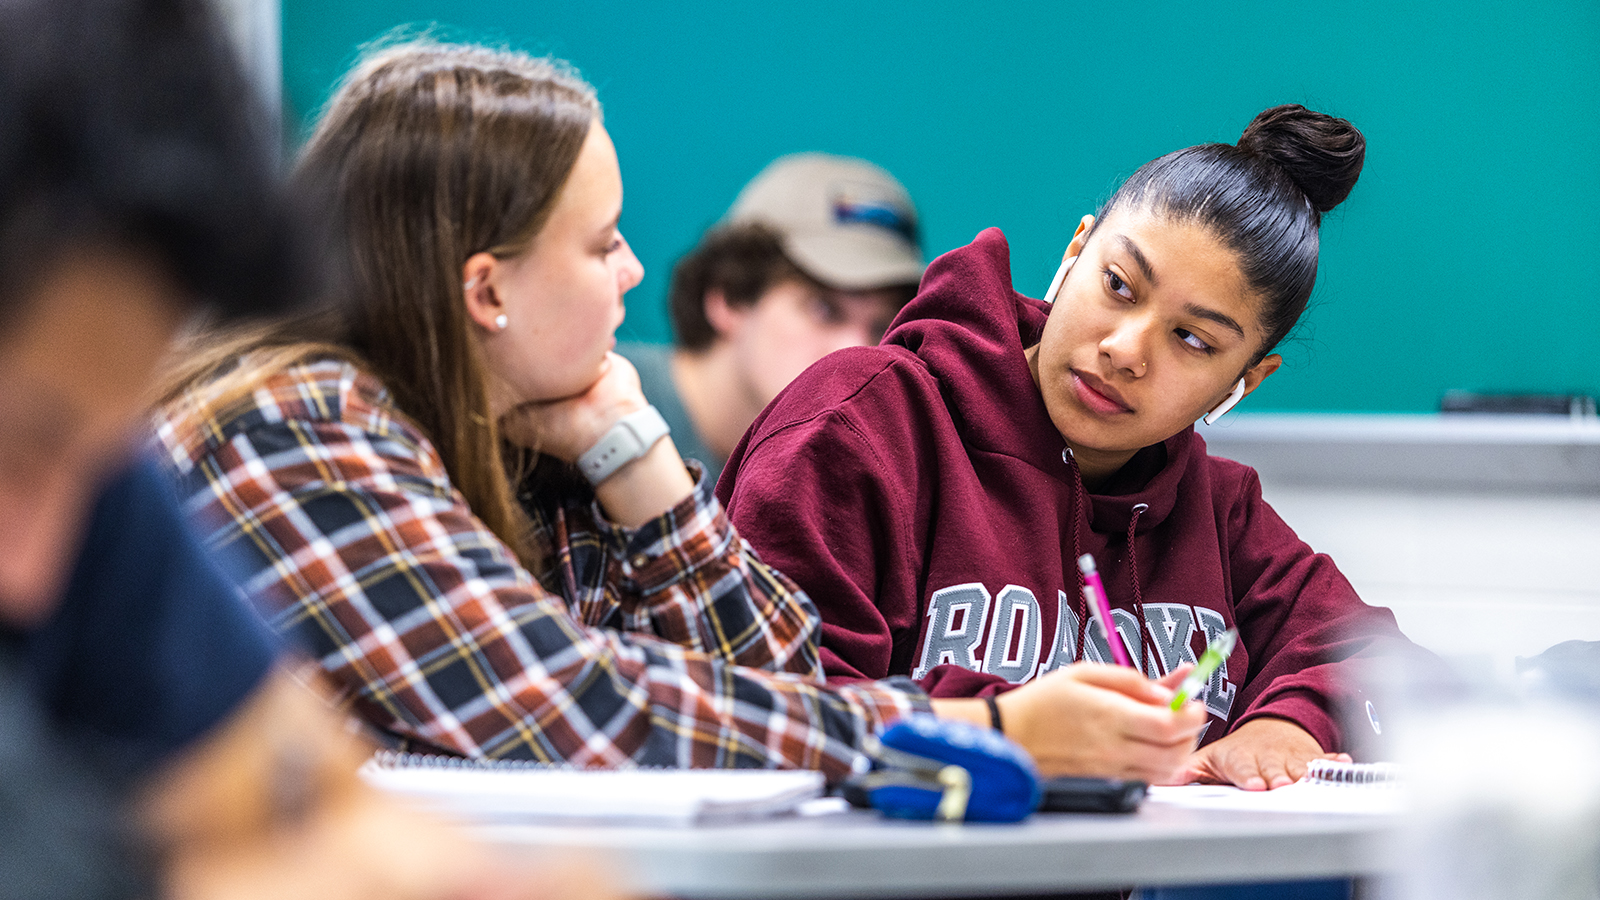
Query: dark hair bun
1320	153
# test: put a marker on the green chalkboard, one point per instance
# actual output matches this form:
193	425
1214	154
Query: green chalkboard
1466	258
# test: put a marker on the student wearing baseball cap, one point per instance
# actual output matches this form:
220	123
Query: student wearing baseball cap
817	253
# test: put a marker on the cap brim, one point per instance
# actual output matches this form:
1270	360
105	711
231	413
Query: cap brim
855	259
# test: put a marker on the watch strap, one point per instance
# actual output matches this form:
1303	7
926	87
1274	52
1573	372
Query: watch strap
632	437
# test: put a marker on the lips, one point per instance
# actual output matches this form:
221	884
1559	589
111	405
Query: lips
1097	395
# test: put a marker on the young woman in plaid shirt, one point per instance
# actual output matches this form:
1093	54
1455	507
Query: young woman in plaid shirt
452	492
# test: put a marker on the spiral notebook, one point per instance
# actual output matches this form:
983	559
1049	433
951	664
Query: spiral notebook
1334	772
1329	786
501	792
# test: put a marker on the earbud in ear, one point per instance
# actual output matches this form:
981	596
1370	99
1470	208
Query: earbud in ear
1061	276
1234	396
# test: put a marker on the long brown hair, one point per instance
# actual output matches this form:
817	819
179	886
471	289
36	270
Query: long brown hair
427	154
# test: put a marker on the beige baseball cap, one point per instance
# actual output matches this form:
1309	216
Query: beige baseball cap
845	222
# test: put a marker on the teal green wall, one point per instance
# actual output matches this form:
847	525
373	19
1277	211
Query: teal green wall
1467	257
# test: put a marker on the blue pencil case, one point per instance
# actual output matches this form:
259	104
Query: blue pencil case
924	767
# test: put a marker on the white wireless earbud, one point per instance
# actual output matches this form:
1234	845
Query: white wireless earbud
1234	396
1061	275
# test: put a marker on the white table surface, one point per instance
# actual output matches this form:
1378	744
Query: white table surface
860	854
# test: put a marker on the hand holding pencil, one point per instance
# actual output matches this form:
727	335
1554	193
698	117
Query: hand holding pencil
1100	720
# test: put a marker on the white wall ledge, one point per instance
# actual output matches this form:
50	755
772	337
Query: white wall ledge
1455	451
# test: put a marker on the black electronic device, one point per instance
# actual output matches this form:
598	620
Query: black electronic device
1102	795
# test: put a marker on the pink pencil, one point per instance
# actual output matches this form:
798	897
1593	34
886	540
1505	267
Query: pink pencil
1094	591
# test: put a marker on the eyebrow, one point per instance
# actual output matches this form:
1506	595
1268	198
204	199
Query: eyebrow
1139	257
1211	315
1193	309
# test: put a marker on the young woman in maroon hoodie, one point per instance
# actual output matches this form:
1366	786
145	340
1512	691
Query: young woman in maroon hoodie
932	494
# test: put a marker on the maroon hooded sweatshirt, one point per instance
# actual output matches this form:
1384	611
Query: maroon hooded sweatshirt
920	494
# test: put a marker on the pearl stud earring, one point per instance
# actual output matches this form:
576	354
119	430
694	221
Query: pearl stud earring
500	321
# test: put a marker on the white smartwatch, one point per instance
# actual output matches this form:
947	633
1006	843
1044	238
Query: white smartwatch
632	437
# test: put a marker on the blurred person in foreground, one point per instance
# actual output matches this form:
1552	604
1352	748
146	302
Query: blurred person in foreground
817	253
151	740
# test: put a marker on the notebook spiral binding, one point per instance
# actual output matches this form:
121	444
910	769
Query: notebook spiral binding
494	790
410	759
1330	771
400	759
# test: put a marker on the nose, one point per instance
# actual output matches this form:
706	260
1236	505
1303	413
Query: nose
38	534
1128	346
631	272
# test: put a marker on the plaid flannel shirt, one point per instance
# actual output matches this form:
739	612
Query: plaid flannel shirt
670	644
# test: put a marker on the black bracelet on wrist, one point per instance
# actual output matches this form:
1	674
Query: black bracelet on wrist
994	714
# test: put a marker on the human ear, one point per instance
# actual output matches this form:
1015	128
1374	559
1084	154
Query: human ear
484	306
1258	373
725	318
1246	385
1074	247
1080	237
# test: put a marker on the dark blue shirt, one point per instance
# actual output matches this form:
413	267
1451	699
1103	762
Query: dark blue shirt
152	645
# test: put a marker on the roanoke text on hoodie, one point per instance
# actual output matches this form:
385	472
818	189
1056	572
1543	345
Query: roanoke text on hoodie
920	494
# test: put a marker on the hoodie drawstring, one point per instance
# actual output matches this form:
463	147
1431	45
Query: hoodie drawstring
1147	645
1077	515
1077	551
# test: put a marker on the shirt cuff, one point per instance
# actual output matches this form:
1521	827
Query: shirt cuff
1302	707
883	703
665	549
